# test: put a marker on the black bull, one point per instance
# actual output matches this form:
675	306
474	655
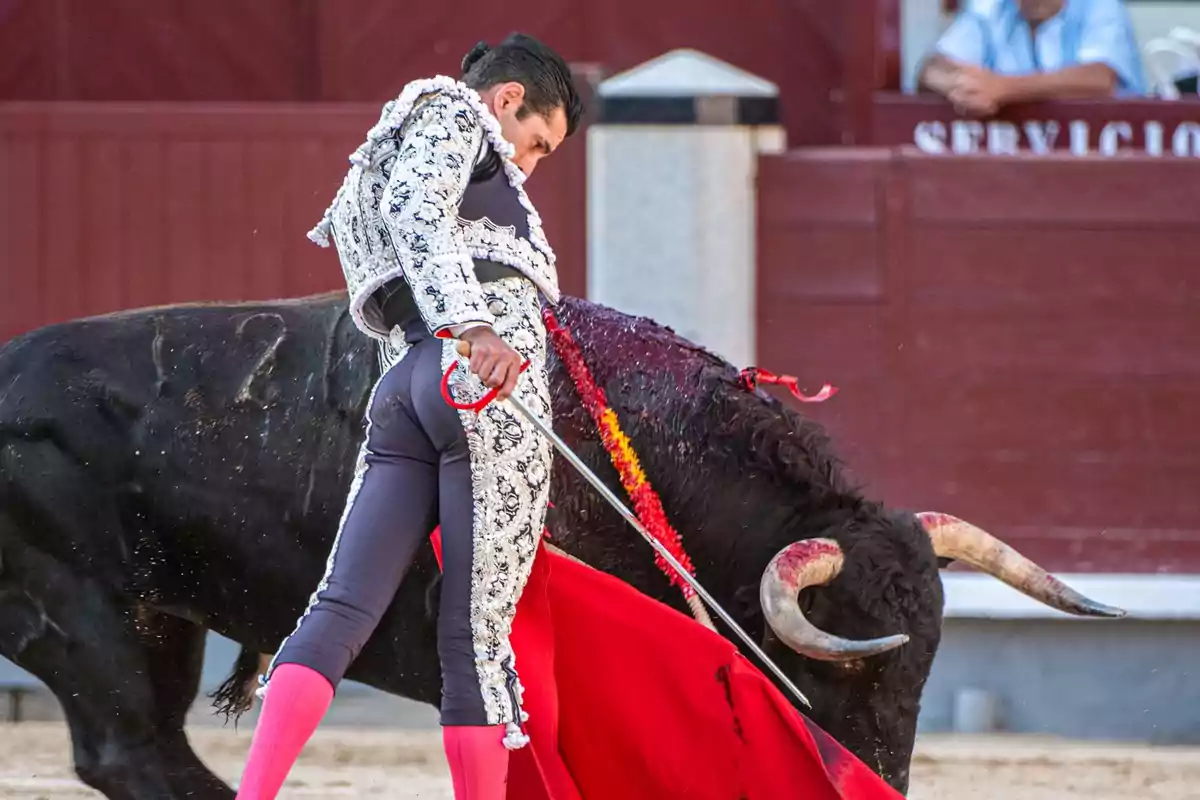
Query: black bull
169	471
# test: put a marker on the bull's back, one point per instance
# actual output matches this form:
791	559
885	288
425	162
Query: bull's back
152	440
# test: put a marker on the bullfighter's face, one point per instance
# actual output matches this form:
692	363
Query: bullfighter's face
533	136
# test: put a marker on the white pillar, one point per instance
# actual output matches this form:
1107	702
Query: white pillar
922	23
672	167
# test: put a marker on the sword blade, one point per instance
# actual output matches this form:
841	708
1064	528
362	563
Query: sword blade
632	519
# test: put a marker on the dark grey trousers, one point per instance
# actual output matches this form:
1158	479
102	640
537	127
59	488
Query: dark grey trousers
419	467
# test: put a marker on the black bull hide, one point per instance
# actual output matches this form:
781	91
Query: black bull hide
171	470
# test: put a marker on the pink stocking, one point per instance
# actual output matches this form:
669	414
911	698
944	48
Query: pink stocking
296	702
478	761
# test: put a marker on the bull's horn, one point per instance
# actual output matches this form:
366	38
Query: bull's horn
812	562
954	538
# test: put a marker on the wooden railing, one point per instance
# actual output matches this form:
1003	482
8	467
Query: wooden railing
107	206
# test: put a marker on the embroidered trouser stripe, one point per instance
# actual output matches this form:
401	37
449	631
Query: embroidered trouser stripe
510	481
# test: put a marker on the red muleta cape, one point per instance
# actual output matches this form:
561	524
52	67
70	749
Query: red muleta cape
629	699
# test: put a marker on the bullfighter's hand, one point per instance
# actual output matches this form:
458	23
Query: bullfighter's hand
492	359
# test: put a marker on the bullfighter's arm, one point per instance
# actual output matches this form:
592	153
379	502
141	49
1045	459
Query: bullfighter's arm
420	208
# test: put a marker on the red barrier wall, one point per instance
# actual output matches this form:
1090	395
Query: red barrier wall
365	50
1017	339
147	50
104	207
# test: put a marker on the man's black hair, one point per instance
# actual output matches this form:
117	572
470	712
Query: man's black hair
523	59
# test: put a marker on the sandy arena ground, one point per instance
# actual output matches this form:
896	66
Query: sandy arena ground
374	762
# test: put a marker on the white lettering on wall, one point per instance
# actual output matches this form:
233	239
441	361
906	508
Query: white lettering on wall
1041	136
998	137
930	137
966	136
1003	138
1111	136
1186	141
1154	138
1079	137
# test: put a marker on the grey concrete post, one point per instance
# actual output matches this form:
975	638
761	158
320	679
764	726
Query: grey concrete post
672	166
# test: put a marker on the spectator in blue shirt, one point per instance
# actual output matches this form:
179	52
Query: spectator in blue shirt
1000	52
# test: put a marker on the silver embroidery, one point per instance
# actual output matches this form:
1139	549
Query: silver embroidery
392	349
486	240
510	476
395	213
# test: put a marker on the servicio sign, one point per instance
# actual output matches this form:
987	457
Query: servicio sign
997	137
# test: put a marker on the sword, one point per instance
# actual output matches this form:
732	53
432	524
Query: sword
464	348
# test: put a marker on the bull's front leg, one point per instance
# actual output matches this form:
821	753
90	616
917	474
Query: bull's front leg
125	677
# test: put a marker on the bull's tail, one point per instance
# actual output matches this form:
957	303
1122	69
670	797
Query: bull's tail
235	696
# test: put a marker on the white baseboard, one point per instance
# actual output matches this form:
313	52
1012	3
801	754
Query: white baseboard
1147	597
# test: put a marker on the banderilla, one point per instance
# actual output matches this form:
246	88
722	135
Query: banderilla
464	349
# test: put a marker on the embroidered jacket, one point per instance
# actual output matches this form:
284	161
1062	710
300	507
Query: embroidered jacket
397	211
